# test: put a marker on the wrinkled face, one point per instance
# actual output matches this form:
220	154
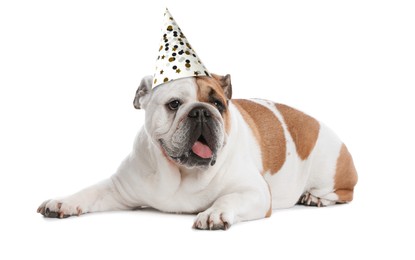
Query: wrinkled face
188	118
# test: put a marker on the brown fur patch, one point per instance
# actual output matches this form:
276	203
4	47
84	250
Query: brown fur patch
346	176
269	212
303	129
268	132
208	88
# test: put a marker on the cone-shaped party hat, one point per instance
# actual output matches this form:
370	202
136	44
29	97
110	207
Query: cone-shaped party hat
176	58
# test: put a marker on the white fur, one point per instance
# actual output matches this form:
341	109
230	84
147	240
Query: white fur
230	191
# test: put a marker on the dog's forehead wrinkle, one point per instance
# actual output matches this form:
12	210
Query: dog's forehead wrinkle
182	89
209	91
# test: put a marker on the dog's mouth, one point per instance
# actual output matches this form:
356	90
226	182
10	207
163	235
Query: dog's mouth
198	153
201	148
194	143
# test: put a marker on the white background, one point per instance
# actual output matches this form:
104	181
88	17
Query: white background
68	75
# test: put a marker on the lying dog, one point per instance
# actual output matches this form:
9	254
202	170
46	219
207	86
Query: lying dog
228	160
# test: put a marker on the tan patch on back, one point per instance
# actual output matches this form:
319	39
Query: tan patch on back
208	87
268	131
303	129
346	176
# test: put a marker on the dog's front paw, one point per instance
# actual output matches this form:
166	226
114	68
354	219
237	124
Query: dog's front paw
213	219
59	209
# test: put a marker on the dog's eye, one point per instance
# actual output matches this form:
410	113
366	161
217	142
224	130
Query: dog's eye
218	105
174	104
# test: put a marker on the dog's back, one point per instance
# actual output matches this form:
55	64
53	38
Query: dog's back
303	161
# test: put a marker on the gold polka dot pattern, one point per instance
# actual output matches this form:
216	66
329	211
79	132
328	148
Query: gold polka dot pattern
177	59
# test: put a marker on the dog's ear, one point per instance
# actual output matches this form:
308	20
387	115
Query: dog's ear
225	82
142	92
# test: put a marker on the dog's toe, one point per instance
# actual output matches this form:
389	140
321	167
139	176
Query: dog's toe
58	209
213	220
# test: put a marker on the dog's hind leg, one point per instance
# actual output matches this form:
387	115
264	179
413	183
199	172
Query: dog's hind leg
341	191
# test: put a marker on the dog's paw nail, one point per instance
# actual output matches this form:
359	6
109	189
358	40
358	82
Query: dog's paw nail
210	225
226	225
197	225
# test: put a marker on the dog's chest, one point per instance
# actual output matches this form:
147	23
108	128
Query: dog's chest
188	193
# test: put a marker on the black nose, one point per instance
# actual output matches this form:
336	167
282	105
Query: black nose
201	113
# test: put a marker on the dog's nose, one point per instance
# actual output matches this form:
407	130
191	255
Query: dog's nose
201	113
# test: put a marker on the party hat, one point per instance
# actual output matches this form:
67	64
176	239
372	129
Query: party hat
176	59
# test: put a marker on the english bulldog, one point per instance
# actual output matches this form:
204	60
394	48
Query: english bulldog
229	160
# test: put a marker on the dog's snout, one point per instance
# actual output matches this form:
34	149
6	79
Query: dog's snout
201	113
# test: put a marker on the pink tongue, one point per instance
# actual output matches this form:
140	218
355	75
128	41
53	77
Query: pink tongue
202	150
